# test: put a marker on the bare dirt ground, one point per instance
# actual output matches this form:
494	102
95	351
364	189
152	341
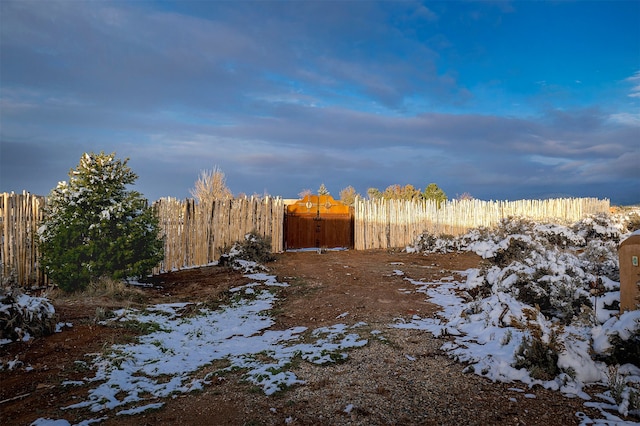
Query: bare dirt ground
403	380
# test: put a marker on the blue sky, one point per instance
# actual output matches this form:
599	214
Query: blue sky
502	100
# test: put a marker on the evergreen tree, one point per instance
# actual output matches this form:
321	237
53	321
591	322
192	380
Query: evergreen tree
95	227
323	190
433	192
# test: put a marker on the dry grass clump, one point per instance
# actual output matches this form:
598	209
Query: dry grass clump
104	288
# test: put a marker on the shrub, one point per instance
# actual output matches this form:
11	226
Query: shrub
557	236
254	248
514	225
425	242
598	226
625	351
538	355
23	316
94	227
633	222
600	258
538	358
626	394
517	250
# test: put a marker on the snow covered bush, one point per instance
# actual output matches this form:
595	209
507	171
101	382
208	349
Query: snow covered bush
539	350
23	316
633	222
625	394
617	341
598	227
254	248
543	308
547	265
95	227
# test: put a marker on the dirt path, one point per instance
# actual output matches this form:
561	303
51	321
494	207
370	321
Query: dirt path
401	377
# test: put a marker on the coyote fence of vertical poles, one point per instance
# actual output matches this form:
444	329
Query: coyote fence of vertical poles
397	223
20	216
196	234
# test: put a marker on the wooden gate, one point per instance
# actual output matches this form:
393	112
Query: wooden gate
318	221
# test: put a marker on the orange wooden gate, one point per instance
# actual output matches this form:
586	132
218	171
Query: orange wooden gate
318	221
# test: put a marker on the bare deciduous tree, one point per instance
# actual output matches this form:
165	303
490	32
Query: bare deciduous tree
210	186
348	195
304	193
374	193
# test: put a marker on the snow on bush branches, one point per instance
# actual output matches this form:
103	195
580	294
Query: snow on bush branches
95	227
549	266
249	254
23	316
547	296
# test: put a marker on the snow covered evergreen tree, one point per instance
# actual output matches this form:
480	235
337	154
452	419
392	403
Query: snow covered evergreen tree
95	227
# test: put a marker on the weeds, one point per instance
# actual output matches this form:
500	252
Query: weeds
626	395
616	383
102	314
104	288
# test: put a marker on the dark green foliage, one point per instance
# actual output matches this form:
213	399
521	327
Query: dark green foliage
433	192
624	351
95	227
538	357
517	251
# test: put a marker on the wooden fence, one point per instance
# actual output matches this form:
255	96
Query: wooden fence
20	217
195	234
396	223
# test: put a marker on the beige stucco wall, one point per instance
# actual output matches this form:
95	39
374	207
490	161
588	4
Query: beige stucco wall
630	273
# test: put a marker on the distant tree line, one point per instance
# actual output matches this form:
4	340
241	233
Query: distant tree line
211	185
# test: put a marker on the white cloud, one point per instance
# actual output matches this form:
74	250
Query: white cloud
549	161
635	90
627	118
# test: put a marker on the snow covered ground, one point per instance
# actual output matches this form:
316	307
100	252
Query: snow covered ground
548	288
188	337
531	300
